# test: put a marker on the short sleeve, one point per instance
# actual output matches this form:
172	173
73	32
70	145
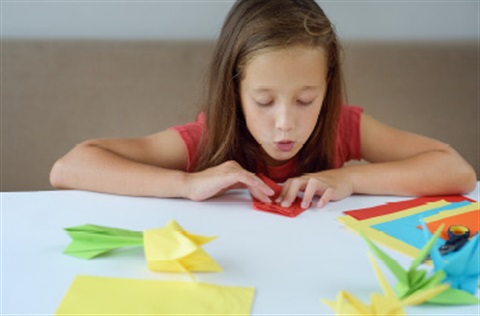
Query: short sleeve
191	134
348	146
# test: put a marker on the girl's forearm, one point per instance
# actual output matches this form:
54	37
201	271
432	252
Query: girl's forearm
431	173
96	169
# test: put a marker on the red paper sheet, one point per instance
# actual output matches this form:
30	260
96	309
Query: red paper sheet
389	208
275	208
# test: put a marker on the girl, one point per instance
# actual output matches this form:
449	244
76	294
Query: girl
274	105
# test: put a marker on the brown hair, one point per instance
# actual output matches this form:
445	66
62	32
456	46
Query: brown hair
251	27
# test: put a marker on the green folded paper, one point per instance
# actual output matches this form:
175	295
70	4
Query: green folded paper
413	280
89	241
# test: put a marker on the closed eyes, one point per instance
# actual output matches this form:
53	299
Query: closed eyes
300	102
264	104
304	103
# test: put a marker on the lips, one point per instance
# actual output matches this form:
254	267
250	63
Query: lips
285	145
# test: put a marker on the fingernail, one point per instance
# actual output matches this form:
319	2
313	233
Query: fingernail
285	204
304	205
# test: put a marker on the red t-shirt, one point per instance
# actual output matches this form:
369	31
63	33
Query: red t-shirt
347	146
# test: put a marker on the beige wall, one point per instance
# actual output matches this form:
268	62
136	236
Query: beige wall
58	93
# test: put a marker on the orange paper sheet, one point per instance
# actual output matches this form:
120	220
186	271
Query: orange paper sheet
470	220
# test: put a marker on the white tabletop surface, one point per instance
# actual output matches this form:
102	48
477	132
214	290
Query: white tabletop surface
292	262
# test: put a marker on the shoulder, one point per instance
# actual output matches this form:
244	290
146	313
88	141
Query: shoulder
192	127
349	113
191	135
348	143
349	121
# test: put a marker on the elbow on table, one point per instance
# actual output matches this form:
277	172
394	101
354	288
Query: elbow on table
467	180
461	176
57	178
63	172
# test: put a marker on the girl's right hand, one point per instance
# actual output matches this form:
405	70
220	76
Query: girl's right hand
226	176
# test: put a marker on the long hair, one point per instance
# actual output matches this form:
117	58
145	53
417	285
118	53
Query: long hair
250	28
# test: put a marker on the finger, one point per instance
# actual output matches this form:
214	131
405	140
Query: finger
326	197
282	194
292	192
261	185
257	187
237	186
313	187
259	195
253	181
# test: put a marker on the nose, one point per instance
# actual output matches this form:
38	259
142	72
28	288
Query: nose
285	118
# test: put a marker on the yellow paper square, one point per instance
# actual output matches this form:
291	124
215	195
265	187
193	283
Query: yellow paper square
115	296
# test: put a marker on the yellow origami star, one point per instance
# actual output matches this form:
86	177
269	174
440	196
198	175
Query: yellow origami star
387	304
172	249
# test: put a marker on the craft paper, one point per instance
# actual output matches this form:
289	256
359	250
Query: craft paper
387	304
425	210
469	219
89	241
380	237
406	228
399	230
462	269
393	207
172	249
413	280
89	295
384	237
169	249
294	210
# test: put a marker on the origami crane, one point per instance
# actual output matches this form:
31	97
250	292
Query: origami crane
387	304
462	271
414	279
169	249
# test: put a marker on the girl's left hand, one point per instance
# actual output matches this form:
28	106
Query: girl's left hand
330	185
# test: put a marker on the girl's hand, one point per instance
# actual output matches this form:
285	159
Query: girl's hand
219	179
330	185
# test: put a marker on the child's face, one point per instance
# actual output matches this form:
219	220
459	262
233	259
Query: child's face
282	93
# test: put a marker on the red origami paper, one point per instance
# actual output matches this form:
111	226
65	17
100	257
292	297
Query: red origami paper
275	208
393	207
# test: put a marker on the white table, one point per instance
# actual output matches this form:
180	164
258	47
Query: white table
292	262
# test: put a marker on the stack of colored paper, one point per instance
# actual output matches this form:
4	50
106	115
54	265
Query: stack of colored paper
398	225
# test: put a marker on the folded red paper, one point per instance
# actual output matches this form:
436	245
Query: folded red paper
274	207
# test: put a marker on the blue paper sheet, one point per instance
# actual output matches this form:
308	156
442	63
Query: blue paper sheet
406	230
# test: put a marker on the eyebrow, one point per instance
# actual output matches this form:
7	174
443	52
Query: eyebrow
304	88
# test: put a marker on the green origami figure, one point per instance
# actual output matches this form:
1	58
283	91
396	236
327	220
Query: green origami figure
89	241
413	280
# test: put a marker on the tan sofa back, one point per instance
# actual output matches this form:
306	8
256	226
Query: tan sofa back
57	93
